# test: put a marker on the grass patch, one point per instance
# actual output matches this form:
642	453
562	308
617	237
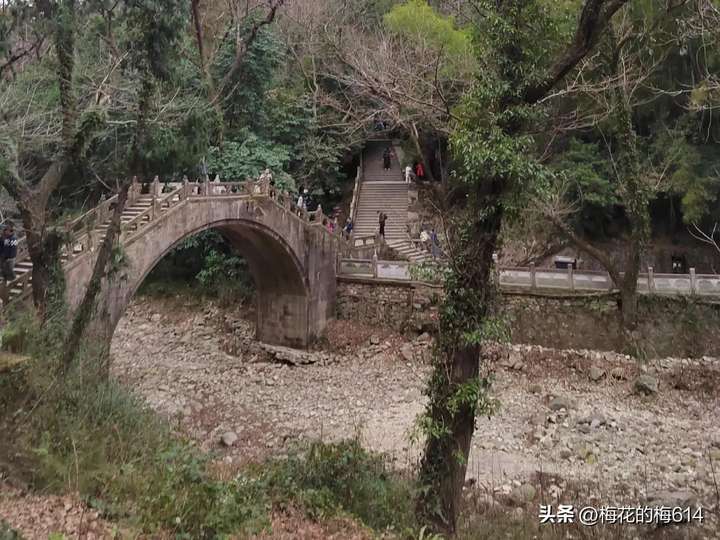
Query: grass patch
97	439
7	532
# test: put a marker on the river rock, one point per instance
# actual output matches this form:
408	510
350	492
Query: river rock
646	384
522	494
560	402
407	352
229	438
596	373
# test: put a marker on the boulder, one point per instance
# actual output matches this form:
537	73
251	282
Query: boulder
522	494
406	351
596	373
646	384
229	438
514	360
560	402
374	340
672	499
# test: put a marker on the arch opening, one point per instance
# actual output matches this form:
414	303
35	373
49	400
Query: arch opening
281	298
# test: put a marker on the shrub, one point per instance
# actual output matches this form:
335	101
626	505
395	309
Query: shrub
7	532
344	478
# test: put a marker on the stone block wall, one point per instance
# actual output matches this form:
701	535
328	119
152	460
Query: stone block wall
668	326
402	306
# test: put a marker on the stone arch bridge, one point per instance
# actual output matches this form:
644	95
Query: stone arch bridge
291	255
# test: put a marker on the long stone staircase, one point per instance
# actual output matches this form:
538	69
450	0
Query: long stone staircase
385	191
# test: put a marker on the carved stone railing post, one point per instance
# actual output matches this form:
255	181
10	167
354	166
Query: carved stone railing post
156	187
185	191
533	277
651	280
153	204
693	282
132	191
571	277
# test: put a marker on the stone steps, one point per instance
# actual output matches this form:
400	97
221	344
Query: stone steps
25	266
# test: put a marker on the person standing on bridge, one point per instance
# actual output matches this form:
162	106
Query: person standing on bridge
434	244
302	201
8	252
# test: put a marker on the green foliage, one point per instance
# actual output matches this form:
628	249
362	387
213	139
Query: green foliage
418	22
7	532
14	337
245	104
589	173
344	478
247	156
152	33
692	171
207	263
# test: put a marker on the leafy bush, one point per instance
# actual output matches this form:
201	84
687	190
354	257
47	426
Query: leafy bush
95	438
7	532
204	264
344	478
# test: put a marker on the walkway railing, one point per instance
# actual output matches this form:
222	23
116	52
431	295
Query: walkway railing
356	191
551	279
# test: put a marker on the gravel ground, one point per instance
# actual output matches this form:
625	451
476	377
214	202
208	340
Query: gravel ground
570	437
571	426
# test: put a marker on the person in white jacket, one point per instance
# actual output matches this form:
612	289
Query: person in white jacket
408	174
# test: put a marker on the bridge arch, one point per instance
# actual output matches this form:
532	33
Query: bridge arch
292	263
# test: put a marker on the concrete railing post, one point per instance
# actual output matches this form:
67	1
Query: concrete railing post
533	277
185	192
693	282
571	277
375	264
132	196
651	280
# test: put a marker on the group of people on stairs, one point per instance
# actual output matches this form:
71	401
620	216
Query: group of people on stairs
416	171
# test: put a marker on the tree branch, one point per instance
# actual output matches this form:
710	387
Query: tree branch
244	45
593	20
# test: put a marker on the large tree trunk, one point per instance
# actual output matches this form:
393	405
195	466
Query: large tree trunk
45	255
471	291
443	467
84	314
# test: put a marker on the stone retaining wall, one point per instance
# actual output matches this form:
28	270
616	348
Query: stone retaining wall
668	326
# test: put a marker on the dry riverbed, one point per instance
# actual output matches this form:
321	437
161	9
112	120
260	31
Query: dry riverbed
573	427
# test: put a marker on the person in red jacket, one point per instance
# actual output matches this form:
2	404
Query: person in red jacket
420	172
